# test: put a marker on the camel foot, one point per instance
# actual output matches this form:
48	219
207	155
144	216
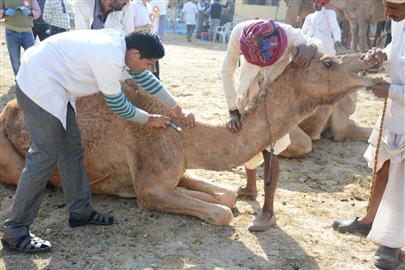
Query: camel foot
262	222
353	132
244	192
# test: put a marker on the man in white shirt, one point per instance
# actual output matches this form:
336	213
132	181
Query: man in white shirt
141	19
79	63
323	25
99	14
386	214
260	66
190	12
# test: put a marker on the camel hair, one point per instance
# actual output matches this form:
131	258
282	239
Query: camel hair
129	160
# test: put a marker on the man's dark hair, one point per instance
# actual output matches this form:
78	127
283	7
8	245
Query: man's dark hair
147	43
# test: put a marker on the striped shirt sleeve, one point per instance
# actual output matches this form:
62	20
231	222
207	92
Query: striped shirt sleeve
120	105
153	86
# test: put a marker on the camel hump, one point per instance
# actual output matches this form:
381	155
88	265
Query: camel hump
13	128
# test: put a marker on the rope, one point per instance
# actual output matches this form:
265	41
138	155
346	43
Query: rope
377	152
269	178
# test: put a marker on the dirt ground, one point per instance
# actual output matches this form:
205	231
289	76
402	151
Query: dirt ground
332	182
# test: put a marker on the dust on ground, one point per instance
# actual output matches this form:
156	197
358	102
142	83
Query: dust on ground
332	182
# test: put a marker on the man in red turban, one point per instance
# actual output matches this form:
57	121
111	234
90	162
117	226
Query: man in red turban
265	46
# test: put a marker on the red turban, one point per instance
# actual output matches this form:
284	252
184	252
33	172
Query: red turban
262	43
321	2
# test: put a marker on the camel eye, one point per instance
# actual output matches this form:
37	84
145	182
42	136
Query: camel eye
329	64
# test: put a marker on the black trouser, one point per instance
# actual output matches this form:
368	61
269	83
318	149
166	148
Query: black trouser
40	29
56	30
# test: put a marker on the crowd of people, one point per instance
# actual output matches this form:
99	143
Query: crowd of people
126	49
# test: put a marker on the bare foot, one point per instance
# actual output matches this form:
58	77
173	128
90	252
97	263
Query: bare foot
262	222
247	193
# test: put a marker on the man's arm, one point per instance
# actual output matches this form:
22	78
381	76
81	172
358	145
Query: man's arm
35	9
397	93
127	19
154	87
229	65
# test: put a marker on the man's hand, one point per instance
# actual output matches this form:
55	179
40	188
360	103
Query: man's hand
304	55
380	89
158	121
374	56
234	125
9	12
185	117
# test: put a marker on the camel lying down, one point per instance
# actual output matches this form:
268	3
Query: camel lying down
129	160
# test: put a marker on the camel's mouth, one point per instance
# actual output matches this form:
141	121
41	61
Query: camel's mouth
357	68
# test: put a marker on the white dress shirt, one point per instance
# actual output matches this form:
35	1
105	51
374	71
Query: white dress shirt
324	26
78	63
120	20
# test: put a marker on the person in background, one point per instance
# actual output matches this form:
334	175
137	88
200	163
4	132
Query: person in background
56	15
40	28
18	19
160	6
215	11
190	12
99	14
323	25
202	17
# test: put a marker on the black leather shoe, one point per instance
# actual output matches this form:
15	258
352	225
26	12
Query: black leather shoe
351	226
386	257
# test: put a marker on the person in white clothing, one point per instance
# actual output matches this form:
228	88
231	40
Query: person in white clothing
323	25
260	66
190	12
78	63
386	214
141	19
99	14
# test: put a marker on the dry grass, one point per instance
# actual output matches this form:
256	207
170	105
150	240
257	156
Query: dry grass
331	182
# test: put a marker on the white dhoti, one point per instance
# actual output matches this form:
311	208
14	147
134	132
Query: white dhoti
389	223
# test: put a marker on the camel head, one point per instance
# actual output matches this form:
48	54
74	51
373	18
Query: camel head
327	78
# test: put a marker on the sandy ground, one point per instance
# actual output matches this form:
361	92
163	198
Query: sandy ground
331	182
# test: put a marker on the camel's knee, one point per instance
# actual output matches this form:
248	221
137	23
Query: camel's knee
227	198
301	145
220	215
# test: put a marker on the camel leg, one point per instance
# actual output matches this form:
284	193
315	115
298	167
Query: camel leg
301	144
11	162
175	201
354	31
363	33
314	125
341	126
207	191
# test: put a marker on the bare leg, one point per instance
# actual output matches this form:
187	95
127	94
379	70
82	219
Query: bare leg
266	218
250	190
377	193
